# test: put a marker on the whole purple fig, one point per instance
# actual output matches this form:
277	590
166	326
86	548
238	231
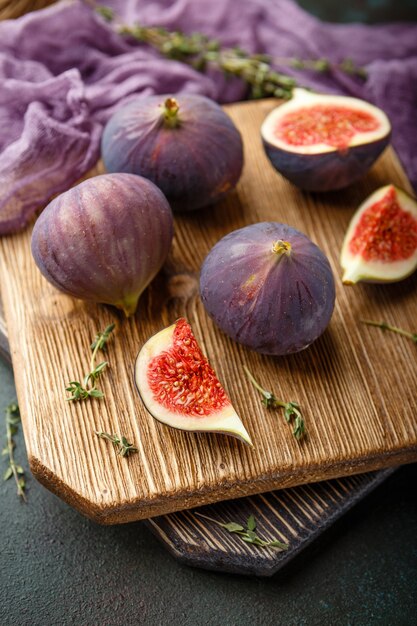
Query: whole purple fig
105	239
188	146
268	287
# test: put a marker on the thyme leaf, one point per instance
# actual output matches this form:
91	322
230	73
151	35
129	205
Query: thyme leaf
203	53
393	329
292	411
13	470
247	534
123	447
102	338
106	13
88	388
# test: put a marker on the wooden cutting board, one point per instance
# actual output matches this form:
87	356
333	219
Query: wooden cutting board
296	515
355	384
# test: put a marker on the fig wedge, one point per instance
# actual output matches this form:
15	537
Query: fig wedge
179	387
381	241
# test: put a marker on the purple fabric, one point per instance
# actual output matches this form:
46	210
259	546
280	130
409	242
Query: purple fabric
63	72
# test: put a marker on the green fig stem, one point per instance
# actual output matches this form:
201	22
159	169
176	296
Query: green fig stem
281	247
170	110
128	305
393	329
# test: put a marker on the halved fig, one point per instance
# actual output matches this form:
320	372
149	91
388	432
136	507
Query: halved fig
179	387
324	142
381	241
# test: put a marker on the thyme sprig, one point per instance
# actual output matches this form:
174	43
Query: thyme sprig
101	339
292	411
123	447
247	533
393	329
13	469
88	389
202	52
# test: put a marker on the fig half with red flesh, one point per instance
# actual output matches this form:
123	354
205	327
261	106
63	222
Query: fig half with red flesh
179	387
381	241
324	142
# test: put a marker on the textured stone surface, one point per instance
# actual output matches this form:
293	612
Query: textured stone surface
58	568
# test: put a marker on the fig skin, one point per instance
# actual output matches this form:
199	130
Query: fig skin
105	239
325	172
330	168
274	303
188	147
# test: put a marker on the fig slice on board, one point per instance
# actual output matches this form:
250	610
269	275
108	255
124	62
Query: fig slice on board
381	241
179	387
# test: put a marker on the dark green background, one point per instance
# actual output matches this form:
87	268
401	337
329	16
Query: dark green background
369	11
58	568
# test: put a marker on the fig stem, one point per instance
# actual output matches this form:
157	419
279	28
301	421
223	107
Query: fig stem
281	247
393	329
128	305
170	111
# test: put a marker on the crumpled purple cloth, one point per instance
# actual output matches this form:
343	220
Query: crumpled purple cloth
63	72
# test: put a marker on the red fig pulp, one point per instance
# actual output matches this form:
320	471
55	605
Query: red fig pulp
180	388
105	239
186	145
381	242
269	287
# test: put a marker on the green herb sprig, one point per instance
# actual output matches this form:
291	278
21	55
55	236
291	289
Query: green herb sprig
123	447
13	469
393	329
292	411
247	533
88	389
202	52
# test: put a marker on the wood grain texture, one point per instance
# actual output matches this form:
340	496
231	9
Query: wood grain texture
11	9
356	385
298	514
295	516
